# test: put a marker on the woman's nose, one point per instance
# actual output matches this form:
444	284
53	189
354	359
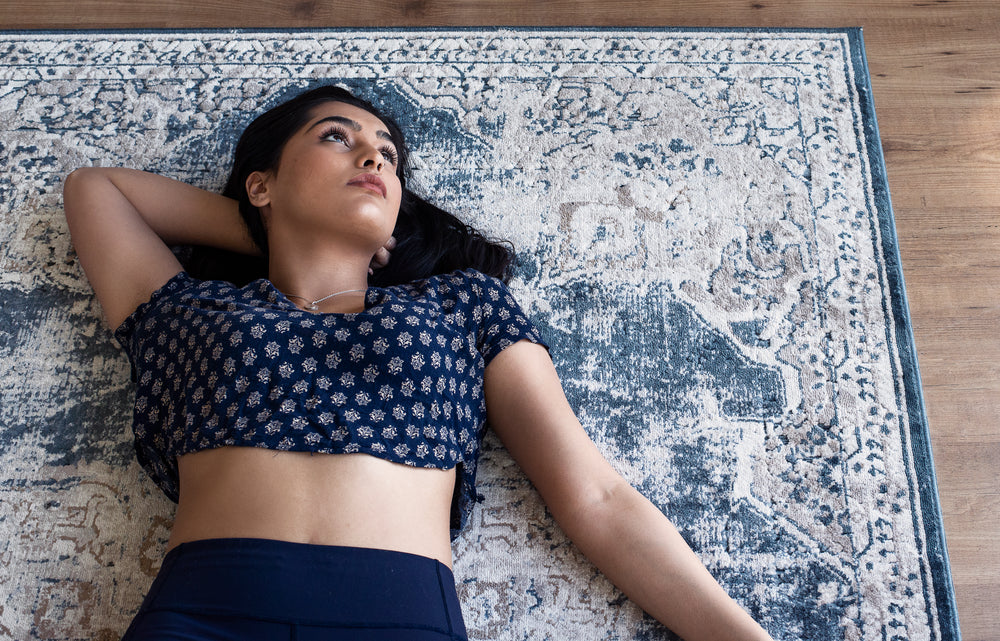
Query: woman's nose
369	156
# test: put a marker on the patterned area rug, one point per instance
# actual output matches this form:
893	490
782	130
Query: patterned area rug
705	239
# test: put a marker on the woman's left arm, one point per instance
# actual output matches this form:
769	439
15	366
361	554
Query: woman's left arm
618	529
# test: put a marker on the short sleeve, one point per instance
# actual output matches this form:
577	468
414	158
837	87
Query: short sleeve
503	322
126	332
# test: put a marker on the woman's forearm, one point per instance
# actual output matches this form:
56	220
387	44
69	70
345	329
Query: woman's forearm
178	213
643	554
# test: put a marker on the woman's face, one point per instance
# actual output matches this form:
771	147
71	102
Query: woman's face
336	175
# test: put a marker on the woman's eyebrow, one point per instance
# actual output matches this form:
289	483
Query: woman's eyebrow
354	125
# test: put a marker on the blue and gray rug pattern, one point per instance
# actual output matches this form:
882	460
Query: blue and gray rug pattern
705	239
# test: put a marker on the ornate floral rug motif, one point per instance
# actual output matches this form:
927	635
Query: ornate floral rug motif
705	239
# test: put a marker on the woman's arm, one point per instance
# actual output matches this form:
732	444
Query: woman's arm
122	222
624	534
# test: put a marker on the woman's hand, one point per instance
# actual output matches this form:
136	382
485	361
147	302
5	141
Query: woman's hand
382	256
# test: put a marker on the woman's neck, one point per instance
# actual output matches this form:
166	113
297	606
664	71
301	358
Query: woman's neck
307	277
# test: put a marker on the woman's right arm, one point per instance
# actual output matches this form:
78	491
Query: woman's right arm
122	222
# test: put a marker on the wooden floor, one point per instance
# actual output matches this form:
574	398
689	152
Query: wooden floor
935	68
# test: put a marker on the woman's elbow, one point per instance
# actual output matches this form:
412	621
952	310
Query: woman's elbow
80	175
595	506
75	186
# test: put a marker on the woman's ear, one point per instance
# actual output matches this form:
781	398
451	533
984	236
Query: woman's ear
256	187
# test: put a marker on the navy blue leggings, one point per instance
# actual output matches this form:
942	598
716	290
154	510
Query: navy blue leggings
247	589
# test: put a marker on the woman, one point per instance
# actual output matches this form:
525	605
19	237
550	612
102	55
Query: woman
320	433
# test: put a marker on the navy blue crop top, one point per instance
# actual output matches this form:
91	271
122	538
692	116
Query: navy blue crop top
217	365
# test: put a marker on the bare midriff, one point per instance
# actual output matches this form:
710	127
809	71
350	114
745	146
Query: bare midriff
325	499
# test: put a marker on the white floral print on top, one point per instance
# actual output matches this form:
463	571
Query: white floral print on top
216	365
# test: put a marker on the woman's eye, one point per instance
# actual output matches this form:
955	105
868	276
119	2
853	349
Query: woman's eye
390	154
336	135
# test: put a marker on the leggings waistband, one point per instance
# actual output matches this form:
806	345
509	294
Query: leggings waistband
307	584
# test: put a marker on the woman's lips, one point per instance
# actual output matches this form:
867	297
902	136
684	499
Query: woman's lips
369	181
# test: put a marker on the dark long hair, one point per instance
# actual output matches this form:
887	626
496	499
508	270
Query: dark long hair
429	240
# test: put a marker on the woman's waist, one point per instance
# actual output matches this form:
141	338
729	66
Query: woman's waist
324	499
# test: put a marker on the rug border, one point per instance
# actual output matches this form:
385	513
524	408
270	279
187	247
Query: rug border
919	433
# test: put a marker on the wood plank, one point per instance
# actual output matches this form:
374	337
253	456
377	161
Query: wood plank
977	485
959	415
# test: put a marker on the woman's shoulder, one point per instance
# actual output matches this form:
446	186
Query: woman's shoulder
464	282
467	276
184	287
176	283
189	287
